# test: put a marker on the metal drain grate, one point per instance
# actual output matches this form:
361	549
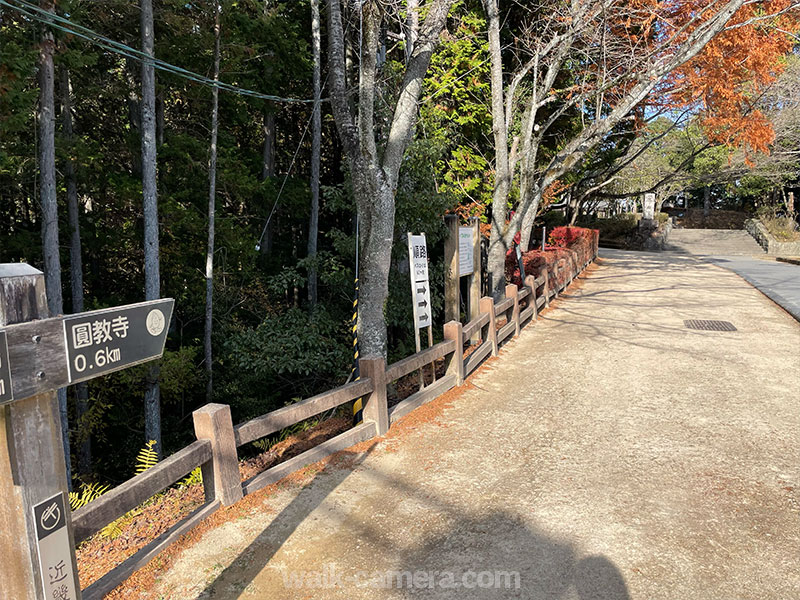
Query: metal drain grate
709	325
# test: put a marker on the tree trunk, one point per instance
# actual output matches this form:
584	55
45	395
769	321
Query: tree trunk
706	201
374	177
316	142
268	154
75	266
49	202
212	193
152	278
502	174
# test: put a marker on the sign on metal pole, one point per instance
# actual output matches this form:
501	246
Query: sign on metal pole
54	548
465	251
420	289
5	371
103	341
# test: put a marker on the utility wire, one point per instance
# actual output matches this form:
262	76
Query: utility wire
63	24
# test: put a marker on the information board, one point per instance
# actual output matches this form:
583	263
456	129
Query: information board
465	251
420	290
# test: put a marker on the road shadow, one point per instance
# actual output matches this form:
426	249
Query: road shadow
494	555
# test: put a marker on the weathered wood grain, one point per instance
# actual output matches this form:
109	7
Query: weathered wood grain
112	505
474	359
353	436
121	572
294	413
422	397
221	479
475	325
420	359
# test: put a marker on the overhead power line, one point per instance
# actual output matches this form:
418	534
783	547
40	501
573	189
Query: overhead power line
60	23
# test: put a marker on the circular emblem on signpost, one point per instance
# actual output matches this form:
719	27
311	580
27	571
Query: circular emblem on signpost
50	517
155	322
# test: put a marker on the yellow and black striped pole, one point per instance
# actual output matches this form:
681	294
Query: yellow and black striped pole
358	405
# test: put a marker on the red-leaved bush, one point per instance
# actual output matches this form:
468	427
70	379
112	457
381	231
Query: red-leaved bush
573	245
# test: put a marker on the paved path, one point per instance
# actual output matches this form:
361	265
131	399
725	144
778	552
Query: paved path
713	242
610	453
739	252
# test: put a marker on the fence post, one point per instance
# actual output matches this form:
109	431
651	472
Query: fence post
530	283
376	409
221	479
452	281
32	466
512	291
546	286
454	330
487	306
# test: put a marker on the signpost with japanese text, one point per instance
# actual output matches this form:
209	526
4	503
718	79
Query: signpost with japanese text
420	291
39	355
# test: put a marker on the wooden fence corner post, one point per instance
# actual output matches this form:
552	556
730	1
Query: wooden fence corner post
487	306
452	281
376	408
32	465
512	291
221	480
454	330
530	283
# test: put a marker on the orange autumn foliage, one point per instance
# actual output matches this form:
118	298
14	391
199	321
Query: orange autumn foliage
724	81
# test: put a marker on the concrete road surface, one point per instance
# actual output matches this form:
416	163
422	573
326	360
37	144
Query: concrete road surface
610	453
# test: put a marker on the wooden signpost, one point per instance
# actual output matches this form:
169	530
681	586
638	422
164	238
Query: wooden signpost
38	355
462	255
420	292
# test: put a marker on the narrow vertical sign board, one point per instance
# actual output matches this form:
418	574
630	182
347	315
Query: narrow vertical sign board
55	551
5	371
465	251
420	289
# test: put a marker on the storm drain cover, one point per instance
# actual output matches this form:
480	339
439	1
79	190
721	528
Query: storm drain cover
709	325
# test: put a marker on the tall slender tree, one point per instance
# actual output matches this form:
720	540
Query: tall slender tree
75	260
212	200
152	277
316	143
48	200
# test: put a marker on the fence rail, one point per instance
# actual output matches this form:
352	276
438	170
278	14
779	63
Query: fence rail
215	450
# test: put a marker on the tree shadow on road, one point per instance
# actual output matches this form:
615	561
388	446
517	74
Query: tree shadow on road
476	555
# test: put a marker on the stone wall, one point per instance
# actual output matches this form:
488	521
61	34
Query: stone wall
772	246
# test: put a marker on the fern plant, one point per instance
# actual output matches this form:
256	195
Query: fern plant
86	493
196	476
146	458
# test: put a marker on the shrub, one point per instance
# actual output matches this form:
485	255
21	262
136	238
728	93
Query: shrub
574	244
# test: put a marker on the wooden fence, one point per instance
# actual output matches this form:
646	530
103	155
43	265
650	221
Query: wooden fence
215	450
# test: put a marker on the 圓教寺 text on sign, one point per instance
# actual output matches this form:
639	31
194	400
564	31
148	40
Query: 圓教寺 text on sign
102	341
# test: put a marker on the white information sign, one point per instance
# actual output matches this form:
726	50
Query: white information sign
465	251
649	206
55	551
420	290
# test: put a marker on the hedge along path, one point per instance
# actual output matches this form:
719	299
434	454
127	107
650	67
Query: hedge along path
643	460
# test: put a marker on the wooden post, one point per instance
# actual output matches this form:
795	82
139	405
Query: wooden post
452	289
530	283
221	480
546	287
455	364
376	409
513	292
476	277
32	466
487	306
